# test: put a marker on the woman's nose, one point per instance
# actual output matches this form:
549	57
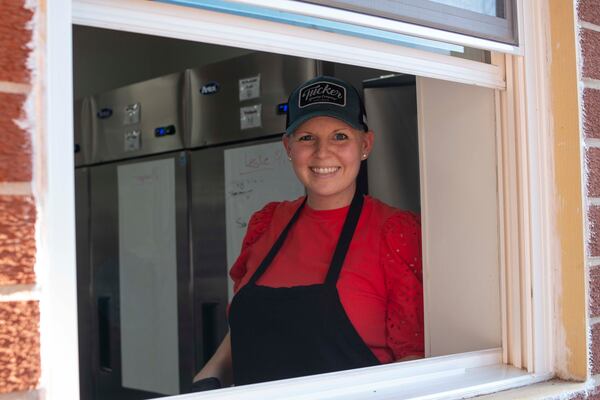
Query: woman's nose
322	148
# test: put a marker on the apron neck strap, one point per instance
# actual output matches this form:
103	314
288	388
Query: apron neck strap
346	235
275	249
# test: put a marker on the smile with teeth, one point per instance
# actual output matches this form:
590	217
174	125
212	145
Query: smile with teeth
324	170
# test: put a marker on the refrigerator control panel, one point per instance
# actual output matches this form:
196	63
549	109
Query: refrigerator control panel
282	109
132	140
132	114
165	131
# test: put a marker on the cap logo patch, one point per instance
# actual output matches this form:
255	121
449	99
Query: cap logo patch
322	92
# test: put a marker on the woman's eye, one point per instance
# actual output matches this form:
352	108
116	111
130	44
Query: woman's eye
340	136
305	138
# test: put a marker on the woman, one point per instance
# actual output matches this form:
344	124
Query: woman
330	281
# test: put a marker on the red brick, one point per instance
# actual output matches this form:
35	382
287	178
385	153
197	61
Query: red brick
595	292
595	349
594	229
589	394
592	393
590	48
15	146
591	107
19	346
14	37
593	171
17	240
589	11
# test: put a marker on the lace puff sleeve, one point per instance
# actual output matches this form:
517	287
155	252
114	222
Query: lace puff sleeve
258	224
401	256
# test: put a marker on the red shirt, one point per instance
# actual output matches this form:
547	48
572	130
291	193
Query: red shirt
380	286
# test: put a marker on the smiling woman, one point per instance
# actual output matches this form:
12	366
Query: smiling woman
357	301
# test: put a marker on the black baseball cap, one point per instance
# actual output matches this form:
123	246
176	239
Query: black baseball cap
325	96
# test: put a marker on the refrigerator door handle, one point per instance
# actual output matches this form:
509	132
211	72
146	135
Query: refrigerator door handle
187	109
90	124
104	328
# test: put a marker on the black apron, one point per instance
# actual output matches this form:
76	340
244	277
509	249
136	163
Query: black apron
286	332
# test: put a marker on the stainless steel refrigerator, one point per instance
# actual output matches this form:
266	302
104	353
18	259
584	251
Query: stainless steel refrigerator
159	214
132	241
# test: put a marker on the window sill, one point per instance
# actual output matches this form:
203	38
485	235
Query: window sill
447	377
544	390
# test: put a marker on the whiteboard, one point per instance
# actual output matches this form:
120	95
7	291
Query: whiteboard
148	276
254	176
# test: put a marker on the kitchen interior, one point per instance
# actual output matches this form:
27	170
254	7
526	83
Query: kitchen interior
177	143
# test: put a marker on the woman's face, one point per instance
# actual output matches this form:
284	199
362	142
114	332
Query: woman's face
326	154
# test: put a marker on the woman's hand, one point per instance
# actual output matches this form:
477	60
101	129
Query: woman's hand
219	366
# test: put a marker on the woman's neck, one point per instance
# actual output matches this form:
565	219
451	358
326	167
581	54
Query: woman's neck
317	202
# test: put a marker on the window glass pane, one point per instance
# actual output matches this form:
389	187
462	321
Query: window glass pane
493	8
487	19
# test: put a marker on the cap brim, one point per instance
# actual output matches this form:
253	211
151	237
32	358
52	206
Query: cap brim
323	113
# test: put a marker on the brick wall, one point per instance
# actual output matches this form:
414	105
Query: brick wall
589	66
19	309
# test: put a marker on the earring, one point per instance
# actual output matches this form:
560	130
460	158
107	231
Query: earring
364	156
289	157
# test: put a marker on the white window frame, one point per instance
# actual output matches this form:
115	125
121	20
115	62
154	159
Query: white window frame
371	21
524	152
448	17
